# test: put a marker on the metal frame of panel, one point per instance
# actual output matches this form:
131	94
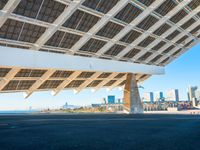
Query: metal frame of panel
158	33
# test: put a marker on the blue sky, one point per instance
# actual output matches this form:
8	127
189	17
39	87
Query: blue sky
181	73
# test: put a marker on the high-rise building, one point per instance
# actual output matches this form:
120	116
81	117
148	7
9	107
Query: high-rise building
158	96
148	97
104	101
111	99
197	94
172	95
119	101
191	91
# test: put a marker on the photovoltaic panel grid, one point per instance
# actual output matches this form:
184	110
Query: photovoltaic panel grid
153	32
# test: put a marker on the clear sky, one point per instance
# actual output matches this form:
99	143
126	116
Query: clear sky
181	73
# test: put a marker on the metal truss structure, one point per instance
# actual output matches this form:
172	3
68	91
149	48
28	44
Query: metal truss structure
150	32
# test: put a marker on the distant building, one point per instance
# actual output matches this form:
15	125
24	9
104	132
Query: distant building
197	94
191	91
111	99
148	97
158	96
172	95
66	106
96	105
119	101
104	101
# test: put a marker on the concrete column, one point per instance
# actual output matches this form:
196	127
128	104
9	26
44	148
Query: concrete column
132	101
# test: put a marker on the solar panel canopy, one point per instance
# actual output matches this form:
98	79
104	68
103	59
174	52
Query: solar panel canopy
151	32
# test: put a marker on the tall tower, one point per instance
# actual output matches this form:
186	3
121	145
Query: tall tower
191	92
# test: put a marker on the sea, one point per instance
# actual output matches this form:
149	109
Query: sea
18	111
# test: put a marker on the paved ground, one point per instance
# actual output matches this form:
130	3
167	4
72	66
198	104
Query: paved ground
116	132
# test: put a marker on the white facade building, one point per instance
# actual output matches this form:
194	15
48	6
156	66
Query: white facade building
148	97
172	95
192	92
158	96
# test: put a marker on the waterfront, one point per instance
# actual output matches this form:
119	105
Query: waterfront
105	131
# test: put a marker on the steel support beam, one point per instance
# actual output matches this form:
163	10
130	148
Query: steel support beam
36	59
87	82
111	77
153	28
105	19
69	10
66	82
7	10
10	75
129	27
39	82
117	83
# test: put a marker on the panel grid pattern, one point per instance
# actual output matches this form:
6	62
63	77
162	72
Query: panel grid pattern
4	71
24	79
16	85
172	24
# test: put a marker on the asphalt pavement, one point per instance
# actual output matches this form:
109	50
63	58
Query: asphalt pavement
99	132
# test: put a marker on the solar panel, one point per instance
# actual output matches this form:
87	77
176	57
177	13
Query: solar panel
188	23
194	31
61	74
85	74
194	4
182	39
146	41
146	2
100	5
50	84
81	21
120	75
177	52
189	43
45	10
168	49
159	36
104	75
162	29
131	36
30	73
180	15
145	56
122	83
93	45
20	31
173	35
132	53
159	45
94	83
163	10
63	39
110	30
18	85
4	71
75	83
3	3
148	22
165	60
110	83
85	16
128	13
156	58
114	50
